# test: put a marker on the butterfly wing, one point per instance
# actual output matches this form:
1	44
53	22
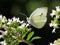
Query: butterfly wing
38	17
38	11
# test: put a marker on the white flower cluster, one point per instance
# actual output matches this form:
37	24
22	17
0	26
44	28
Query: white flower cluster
7	22
54	23
56	12
56	42
14	19
3	19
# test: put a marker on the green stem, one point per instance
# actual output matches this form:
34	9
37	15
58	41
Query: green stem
23	40
27	42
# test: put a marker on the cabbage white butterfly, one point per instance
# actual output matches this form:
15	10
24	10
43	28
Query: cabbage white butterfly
38	17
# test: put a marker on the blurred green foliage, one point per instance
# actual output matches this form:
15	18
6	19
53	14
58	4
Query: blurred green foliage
17	7
32	5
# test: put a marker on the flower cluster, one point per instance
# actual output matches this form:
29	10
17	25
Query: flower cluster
14	29
55	22
56	42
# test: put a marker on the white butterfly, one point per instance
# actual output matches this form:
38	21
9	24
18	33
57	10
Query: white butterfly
38	17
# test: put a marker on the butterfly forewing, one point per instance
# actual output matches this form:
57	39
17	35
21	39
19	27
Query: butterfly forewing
38	11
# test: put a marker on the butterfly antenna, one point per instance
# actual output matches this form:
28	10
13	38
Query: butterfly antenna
23	14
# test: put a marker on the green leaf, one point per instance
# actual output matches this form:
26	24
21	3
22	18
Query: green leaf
24	35
29	36
37	37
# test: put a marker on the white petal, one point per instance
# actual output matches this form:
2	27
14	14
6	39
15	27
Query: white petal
0	16
55	25
10	20
1	36
20	27
2	42
3	19
52	44
8	23
50	24
5	33
53	31
23	25
14	37
58	8
55	41
16	19
57	17
27	25
22	22
53	13
13	18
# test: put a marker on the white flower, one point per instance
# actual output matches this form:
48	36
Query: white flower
50	24
29	29
57	42
52	44
13	20
1	36
20	27
0	16
3	18
21	22
55	25
57	16
53	13
27	25
23	25
53	31
4	33
16	19
9	21
14	37
2	43
5	43
58	8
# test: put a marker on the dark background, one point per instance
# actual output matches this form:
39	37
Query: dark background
18	8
